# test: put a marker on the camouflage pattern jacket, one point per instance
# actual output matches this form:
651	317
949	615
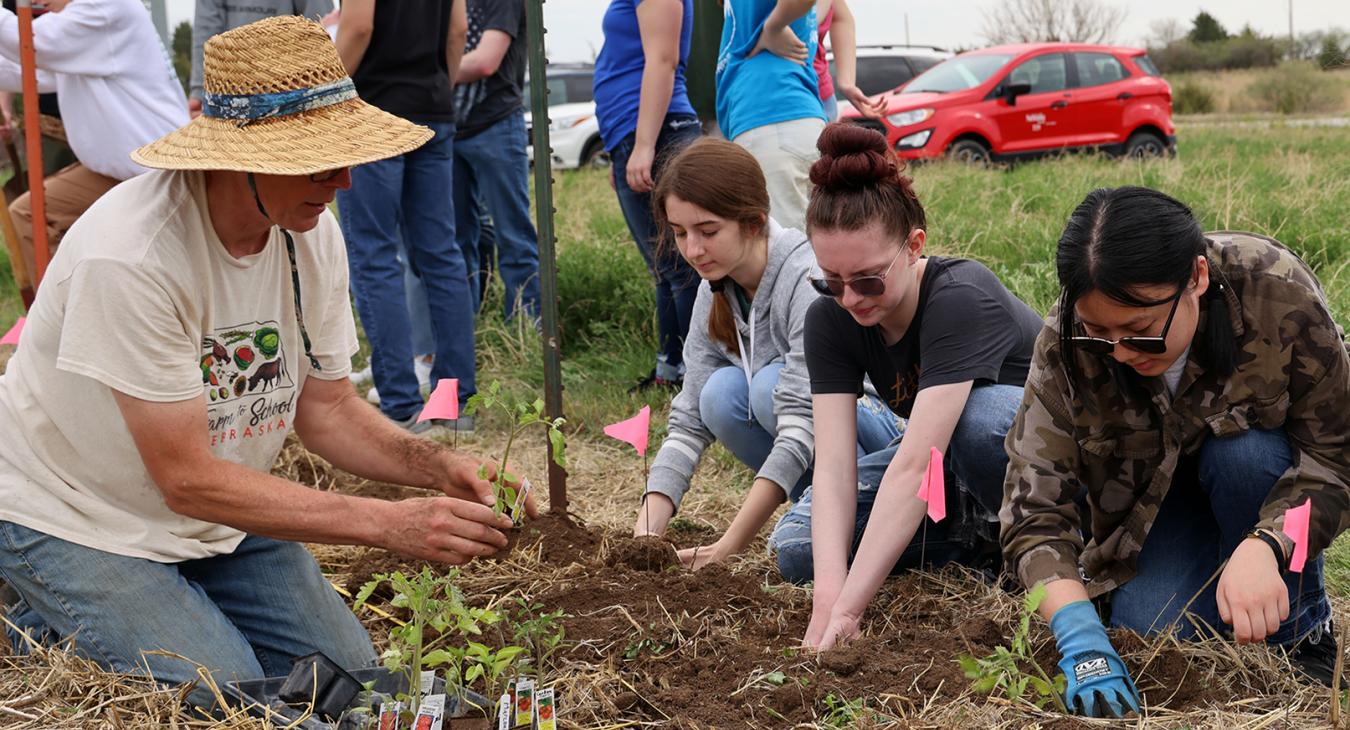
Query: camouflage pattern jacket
1293	371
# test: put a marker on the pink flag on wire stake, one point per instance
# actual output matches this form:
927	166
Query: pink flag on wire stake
12	336
634	430
933	488
443	403
1296	521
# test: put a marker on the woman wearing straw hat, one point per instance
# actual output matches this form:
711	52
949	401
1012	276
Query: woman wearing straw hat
193	317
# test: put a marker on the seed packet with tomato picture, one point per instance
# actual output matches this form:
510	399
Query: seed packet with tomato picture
389	713
524	702
547	710
431	713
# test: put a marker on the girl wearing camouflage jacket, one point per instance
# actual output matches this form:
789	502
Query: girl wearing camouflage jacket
1189	388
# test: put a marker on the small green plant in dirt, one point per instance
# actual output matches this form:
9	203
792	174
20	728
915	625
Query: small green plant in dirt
521	416
845	713
494	666
1003	670
650	645
542	632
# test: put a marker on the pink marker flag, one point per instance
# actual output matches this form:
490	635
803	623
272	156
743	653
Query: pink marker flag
933	488
1296	521
634	430
12	336
444	401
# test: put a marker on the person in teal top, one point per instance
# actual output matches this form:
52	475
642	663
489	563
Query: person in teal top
768	98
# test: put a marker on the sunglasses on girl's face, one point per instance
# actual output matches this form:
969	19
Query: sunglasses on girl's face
1147	345
872	285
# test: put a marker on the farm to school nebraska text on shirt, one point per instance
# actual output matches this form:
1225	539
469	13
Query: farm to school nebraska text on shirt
248	384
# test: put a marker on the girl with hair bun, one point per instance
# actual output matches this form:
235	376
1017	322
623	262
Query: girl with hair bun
1188	390
746	383
947	347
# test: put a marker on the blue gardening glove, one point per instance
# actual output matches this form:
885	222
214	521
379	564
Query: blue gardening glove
1098	683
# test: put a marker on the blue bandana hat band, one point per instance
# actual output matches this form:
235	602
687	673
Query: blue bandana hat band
248	108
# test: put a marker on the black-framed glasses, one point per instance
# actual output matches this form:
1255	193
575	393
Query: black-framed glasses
872	285
326	175
1147	345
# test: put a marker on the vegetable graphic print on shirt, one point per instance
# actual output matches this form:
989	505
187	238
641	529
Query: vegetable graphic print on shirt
247	380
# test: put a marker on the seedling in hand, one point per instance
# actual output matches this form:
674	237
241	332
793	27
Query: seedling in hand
522	416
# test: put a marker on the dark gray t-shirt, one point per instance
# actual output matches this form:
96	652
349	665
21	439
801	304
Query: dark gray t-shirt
967	326
485	102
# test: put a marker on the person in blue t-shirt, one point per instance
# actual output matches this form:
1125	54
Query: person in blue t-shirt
645	116
768	97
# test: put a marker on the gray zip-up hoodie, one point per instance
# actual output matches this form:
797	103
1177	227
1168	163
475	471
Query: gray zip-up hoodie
778	312
217	16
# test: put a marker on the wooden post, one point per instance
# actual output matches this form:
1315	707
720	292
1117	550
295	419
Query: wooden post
32	132
548	261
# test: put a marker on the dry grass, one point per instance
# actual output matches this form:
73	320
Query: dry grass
54	689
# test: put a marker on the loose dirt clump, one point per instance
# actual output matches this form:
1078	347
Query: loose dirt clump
648	553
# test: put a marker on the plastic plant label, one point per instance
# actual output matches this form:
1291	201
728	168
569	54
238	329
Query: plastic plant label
504	707
524	702
431	713
518	509
389	713
547	711
427	681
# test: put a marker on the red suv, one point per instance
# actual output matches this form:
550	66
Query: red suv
1017	101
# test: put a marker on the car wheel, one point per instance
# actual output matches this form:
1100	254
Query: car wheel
1145	144
594	156
969	151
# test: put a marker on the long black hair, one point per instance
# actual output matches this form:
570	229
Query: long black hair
1121	238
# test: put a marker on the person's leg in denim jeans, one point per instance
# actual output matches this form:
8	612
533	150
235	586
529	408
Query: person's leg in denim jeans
371	213
419	315
501	171
1208	510
243	615
676	281
468	218
975	463
429	223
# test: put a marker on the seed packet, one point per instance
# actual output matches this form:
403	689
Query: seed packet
389	713
524	702
504	707
547	710
431	713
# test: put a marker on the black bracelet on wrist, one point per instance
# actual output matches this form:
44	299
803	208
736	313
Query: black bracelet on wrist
1276	547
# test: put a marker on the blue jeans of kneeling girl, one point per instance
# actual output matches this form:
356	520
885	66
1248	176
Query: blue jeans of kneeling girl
742	417
1213	503
974	464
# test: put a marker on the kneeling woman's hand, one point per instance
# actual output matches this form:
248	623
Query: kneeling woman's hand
1252	596
1098	684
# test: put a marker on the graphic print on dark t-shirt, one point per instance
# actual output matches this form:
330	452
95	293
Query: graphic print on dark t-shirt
482	103
249	390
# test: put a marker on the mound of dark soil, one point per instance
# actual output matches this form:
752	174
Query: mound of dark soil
648	553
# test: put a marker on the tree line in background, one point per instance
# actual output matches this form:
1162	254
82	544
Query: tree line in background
1206	46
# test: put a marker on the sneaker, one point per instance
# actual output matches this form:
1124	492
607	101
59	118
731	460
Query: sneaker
425	429
652	381
463	424
1314	656
422	366
362	376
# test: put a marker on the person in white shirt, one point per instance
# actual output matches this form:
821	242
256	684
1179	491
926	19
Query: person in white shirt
117	90
195	316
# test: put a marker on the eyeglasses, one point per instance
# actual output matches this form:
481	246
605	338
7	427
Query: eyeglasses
1148	345
872	285
326	175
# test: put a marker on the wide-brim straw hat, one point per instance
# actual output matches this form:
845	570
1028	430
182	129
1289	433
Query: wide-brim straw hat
278	101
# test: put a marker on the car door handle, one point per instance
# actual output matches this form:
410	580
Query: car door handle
1059	104
1124	95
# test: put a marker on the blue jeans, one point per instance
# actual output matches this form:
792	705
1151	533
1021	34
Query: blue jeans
405	201
676	281
1214	501
243	616
419	312
975	463
493	167
743	419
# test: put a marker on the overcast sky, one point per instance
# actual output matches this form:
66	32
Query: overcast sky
574	25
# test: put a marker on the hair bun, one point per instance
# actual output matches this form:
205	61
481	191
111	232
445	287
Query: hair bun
851	157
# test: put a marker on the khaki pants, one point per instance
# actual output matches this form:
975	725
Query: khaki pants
70	192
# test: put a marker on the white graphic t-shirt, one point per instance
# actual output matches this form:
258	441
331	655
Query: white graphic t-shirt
143	298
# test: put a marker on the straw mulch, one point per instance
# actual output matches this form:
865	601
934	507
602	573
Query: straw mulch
598	688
